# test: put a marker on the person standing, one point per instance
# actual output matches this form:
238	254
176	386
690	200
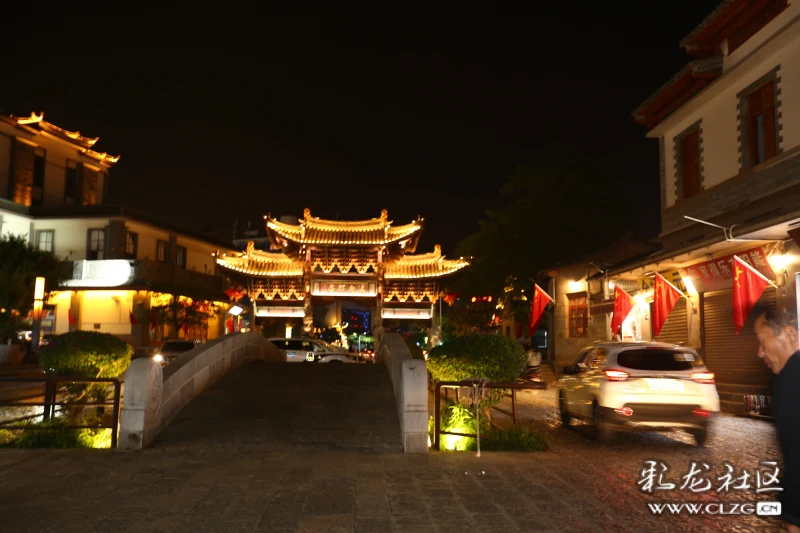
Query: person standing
778	347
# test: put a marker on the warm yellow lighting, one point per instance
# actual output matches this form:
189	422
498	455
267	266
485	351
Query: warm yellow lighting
37	309
38	291
779	262
33	119
576	285
288	331
611	285
687	281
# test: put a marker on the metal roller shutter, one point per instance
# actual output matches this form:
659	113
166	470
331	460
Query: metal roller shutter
676	328
733	358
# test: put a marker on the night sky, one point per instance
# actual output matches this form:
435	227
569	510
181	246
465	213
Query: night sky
223	117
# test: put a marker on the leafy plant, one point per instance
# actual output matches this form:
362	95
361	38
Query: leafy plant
513	439
54	434
20	265
491	357
86	354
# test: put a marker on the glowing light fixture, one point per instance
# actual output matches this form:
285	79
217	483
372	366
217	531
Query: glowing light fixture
236	310
38	291
687	281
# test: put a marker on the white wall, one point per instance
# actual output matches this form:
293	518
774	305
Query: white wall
108	309
69	239
148	236
716	107
15	224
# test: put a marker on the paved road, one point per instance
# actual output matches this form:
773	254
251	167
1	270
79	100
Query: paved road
236	478
269	406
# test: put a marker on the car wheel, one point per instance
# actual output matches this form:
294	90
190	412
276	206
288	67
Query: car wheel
603	430
700	437
566	418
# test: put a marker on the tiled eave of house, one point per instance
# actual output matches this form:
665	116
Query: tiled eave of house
726	21
689	81
262	264
430	265
316	231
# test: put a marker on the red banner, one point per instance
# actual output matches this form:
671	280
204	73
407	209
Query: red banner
748	286
71	317
132	319
665	296
540	302
718	274
623	303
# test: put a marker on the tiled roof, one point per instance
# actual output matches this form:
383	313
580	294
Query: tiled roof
258	263
36	123
430	265
314	230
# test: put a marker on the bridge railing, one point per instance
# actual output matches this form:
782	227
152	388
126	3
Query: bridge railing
153	397
409	379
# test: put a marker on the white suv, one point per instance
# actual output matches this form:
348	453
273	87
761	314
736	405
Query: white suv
648	386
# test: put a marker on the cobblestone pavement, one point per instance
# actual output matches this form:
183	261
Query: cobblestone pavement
231	478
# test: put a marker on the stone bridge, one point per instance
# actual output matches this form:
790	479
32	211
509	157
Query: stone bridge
237	391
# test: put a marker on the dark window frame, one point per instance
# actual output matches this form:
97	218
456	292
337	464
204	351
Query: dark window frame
162	251
181	257
96	253
131	245
688	158
71	181
51	233
39	172
578	315
758	145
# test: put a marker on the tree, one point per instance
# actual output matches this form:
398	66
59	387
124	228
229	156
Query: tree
20	265
547	217
181	312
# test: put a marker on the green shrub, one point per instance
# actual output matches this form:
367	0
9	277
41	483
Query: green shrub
513	439
86	354
461	419
492	357
53	434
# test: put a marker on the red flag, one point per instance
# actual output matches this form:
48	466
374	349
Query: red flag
665	296
229	324
540	302
748	286
71	318
623	303
133	320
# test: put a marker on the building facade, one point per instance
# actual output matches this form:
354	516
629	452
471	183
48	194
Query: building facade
122	262
324	273
728	128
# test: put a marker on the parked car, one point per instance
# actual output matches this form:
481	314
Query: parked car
300	350
645	386
172	349
336	357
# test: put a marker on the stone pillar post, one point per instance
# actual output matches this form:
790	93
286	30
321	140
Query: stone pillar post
75	307
140	332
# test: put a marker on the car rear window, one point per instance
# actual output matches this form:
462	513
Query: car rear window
288	344
658	359
177	346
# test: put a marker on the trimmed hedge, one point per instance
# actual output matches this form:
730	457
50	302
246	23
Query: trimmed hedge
86	354
492	357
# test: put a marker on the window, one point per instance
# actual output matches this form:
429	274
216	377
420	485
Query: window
689	154
578	315
761	127
97	244
71	182
161	251
599	359
180	257
658	359
37	193
131	245
44	240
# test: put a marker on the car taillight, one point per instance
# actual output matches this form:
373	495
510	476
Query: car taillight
627	411
616	375
702	412
703	377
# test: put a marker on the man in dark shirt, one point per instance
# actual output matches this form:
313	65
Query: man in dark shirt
778	347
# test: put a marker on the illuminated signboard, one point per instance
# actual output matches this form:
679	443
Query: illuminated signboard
279	311
102	273
395	312
344	288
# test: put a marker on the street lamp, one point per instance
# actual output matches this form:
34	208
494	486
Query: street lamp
38	306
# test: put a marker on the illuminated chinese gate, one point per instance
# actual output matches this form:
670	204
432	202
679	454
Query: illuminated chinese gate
370	262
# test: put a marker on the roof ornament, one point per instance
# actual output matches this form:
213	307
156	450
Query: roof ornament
306	213
33	119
